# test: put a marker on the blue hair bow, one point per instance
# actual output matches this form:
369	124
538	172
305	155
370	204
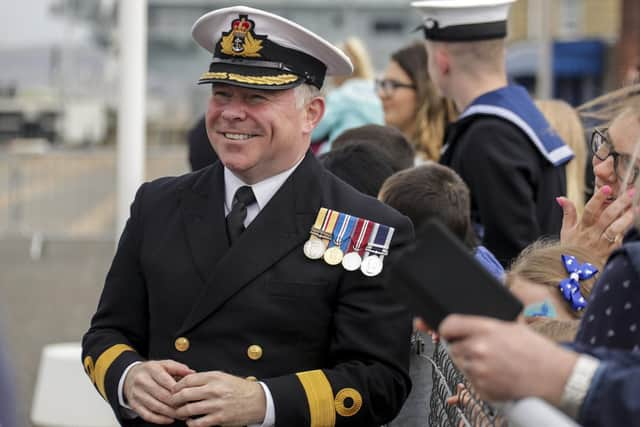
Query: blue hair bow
570	287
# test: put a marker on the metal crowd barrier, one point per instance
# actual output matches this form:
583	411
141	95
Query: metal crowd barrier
69	193
471	411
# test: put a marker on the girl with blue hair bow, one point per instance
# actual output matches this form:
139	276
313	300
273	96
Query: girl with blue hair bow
554	282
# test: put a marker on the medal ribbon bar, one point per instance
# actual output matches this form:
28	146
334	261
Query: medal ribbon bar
363	232
345	238
373	237
321	223
338	230
329	224
382	240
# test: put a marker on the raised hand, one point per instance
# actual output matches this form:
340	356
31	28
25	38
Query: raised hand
602	225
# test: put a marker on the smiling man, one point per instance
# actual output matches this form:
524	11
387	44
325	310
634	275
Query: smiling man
215	311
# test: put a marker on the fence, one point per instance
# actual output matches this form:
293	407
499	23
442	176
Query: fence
70	193
472	411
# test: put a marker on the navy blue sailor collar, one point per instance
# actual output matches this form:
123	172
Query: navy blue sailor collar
513	103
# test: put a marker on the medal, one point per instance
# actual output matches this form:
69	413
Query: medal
359	239
351	261
320	233
333	256
377	248
314	248
341	235
371	265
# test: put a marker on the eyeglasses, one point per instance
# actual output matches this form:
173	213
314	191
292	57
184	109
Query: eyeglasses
602	149
388	86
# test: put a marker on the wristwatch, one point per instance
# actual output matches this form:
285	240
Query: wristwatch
575	390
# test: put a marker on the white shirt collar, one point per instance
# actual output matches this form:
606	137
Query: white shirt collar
263	190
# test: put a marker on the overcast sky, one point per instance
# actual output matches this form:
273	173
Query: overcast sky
27	22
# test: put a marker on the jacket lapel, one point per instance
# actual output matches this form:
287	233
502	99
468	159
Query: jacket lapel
279	228
202	208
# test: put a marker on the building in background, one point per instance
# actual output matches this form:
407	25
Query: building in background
584	34
593	47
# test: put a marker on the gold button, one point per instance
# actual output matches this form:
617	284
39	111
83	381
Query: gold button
254	352
182	344
251	378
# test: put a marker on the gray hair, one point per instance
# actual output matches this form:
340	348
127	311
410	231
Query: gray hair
304	93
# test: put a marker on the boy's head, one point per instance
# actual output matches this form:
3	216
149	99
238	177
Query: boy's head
364	166
430	191
388	139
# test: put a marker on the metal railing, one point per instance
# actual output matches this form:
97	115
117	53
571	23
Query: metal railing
70	193
471	411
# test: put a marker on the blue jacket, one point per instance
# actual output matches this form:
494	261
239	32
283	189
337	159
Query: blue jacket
612	316
612	399
489	261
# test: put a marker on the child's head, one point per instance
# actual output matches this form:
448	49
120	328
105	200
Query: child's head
364	166
542	278
430	191
387	138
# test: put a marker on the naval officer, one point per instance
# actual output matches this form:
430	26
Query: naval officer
214	311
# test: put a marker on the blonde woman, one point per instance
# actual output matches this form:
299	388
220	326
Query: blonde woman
612	316
565	121
607	215
412	103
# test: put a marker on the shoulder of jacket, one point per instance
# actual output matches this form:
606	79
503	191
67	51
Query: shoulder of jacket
347	199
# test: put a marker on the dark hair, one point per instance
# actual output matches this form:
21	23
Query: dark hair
431	191
433	112
387	138
364	166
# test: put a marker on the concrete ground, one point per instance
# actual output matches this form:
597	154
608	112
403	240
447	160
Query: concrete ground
46	301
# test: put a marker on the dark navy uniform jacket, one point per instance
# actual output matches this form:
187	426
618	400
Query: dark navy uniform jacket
333	347
513	187
513	162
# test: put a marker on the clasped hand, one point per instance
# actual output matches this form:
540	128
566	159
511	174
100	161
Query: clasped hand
164	391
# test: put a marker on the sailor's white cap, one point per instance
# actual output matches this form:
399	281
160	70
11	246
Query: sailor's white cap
254	48
464	20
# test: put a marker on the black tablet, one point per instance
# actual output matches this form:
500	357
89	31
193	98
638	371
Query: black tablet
439	275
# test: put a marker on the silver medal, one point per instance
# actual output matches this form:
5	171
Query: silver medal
314	248
351	261
371	265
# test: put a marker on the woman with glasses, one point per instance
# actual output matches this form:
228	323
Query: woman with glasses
411	102
607	215
612	315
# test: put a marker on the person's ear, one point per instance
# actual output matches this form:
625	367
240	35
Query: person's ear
314	110
442	59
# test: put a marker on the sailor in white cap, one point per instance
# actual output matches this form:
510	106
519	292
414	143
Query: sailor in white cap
501	145
211	313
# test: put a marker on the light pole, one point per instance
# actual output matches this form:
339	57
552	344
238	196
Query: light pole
130	165
540	11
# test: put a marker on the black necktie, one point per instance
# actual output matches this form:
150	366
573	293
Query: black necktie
235	220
